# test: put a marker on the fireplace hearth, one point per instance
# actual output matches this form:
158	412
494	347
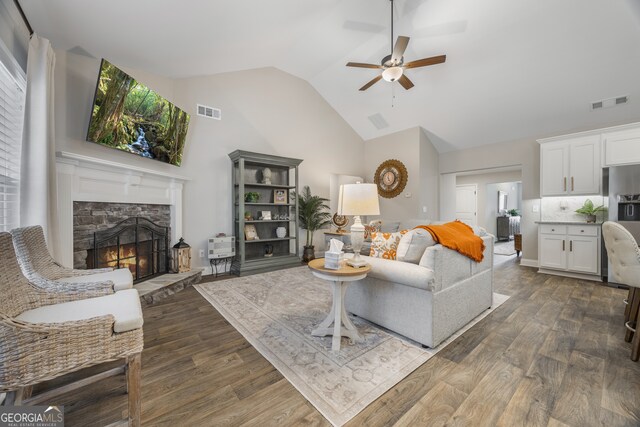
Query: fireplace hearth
135	243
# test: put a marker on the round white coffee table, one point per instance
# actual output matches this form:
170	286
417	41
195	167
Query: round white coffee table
342	326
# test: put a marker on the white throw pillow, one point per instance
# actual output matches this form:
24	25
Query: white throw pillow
413	244
385	245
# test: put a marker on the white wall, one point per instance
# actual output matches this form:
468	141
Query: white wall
75	84
263	110
488	194
413	148
525	154
267	111
429	179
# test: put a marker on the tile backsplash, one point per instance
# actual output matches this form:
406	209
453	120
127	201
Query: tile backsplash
564	208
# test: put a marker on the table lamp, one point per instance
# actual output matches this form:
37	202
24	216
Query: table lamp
358	199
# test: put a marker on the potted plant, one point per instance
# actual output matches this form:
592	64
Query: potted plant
313	214
251	197
590	211
513	212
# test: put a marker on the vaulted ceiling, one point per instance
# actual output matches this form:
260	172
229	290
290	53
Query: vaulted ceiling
515	70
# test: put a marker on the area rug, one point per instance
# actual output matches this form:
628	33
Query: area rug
504	248
276	312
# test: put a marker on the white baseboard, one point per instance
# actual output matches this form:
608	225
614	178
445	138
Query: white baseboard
594	278
529	262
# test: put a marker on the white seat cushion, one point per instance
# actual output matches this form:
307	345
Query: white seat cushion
399	272
123	305
121	278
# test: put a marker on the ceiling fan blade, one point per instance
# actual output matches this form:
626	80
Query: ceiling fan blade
405	82
371	83
399	48
362	65
426	61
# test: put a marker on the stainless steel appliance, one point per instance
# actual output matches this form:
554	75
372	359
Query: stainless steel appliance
624	199
629	207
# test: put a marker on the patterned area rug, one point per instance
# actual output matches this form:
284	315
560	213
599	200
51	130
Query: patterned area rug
276	312
504	248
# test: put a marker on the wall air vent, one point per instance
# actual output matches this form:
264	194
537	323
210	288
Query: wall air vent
378	121
209	112
621	100
610	102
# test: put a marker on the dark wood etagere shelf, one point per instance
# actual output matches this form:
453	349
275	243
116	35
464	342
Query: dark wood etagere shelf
268	252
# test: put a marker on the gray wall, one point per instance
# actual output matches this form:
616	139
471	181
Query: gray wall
413	148
263	110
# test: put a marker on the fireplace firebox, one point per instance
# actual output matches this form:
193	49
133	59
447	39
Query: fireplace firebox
135	243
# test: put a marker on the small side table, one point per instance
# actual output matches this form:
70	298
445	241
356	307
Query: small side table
215	262
342	325
517	244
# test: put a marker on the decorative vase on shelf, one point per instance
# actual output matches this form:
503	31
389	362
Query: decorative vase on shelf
266	176
281	232
268	251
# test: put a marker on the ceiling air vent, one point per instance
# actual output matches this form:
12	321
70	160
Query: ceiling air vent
209	112
378	121
610	102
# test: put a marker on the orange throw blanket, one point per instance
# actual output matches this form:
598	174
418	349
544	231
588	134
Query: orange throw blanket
459	237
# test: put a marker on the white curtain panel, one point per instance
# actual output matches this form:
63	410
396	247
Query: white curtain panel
38	193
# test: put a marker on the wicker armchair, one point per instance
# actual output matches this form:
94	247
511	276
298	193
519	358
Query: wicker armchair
74	332
44	272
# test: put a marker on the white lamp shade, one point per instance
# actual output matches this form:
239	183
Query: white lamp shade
358	199
392	74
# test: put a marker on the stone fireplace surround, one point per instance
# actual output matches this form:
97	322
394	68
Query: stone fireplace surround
88	179
89	217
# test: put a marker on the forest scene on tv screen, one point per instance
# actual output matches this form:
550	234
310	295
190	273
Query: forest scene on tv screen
129	116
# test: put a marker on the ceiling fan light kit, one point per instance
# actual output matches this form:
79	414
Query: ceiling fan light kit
393	65
392	74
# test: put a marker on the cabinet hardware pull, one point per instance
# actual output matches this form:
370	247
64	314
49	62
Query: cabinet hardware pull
563	245
570	245
565	183
553	229
571	183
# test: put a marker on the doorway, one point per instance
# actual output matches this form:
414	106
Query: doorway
467	203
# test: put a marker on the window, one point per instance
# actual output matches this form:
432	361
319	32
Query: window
12	96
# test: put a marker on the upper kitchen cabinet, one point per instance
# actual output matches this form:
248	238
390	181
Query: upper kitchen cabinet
570	166
621	147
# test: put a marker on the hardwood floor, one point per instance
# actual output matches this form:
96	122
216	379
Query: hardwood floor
552	355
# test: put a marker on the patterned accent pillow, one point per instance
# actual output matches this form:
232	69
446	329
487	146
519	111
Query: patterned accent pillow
385	245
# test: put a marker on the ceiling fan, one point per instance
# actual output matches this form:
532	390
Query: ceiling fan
393	65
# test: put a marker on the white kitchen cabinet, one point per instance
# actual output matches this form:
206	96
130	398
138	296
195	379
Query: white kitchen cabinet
570	167
554	169
621	147
552	251
570	248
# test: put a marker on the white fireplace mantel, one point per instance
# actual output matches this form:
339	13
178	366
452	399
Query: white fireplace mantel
89	179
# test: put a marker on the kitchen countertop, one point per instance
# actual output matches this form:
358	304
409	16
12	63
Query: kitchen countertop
569	222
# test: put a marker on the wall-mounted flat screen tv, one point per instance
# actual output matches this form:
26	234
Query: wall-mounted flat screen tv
129	116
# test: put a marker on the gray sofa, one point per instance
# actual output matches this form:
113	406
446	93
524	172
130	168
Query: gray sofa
429	301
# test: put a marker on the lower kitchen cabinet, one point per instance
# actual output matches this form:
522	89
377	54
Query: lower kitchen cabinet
570	249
